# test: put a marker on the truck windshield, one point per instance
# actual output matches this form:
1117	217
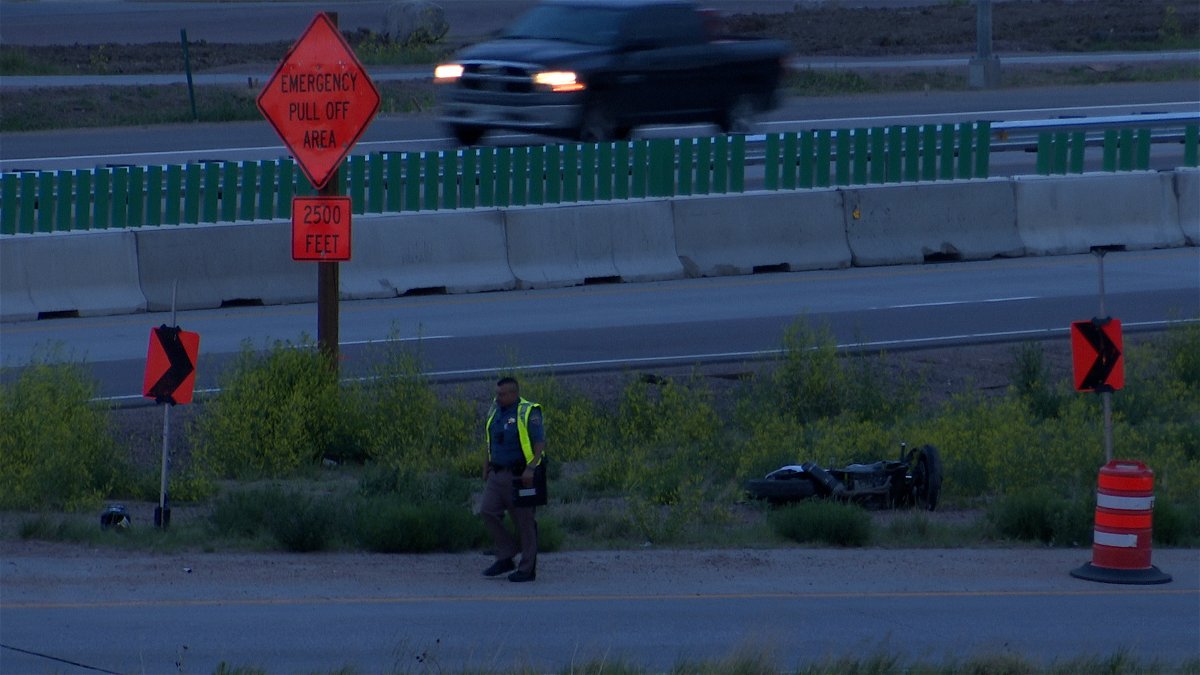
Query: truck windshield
584	25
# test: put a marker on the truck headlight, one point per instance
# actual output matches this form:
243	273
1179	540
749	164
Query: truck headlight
447	72
558	80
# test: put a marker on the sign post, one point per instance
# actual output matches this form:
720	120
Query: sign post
170	379
320	101
1097	355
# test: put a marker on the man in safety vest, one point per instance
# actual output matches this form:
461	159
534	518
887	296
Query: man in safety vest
516	441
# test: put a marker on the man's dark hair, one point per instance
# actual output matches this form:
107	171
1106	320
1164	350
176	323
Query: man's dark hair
509	380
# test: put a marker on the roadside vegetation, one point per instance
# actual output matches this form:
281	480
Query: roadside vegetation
284	458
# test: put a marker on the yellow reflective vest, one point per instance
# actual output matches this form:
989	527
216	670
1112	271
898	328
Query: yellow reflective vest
523	409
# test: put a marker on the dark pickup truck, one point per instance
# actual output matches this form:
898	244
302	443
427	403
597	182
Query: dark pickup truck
594	69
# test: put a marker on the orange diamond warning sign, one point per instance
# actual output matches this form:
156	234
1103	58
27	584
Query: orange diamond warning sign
319	100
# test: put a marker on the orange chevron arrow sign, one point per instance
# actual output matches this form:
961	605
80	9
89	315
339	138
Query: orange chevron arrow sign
1096	351
171	365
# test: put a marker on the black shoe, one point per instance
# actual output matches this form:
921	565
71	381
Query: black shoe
521	575
500	567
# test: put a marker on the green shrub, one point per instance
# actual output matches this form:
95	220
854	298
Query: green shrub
249	513
1041	515
1033	383
824	521
307	524
46	528
1176	525
390	524
276	412
57	449
419	487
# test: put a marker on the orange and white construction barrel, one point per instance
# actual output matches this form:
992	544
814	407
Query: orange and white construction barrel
1123	532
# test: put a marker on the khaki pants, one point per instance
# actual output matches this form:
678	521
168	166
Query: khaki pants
498	498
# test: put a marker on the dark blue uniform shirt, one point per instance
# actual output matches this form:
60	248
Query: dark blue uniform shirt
505	441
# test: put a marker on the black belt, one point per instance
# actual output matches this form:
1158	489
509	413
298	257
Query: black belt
515	468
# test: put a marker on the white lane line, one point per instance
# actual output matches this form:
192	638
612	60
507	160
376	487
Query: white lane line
1188	106
419	338
958	302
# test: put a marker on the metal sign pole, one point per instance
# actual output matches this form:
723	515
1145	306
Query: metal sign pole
162	515
328	278
1105	396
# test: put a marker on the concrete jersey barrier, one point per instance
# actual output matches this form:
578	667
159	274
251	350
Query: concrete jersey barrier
241	263
459	251
1187	193
88	273
723	235
568	245
1061	215
914	222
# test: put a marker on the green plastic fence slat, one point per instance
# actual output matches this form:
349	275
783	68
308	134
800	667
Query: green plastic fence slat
356	169
266	190
1191	146
287	174
520	173
173	194
137	197
966	149
824	158
9	206
658	184
1143	150
771	163
1045	153
28	222
1076	152
520	176
929	152
571	172
102	206
842	160
1125	151
683	174
470	174
946	171
377	186
430	180
805	161
83	200
503	176
638	169
248	195
666	165
591	156
395	181
229	191
63	202
879	155
412	181
737	163
191	193
983	149
211	211
537	175
789	158
554	174
154	196
487	177
120	197
46	207
449	179
703	166
912	153
1060	152
895	154
862	155
720	177
612	163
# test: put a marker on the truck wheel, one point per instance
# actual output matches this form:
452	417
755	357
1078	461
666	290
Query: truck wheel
780	491
598	125
466	134
739	116
927	478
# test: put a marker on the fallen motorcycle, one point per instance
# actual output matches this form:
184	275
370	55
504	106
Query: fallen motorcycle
914	480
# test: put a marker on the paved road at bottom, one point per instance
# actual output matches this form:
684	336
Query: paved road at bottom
126	612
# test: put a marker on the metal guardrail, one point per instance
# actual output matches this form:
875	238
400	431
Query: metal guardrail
211	192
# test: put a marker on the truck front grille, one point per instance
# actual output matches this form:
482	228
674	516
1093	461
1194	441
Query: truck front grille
503	77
